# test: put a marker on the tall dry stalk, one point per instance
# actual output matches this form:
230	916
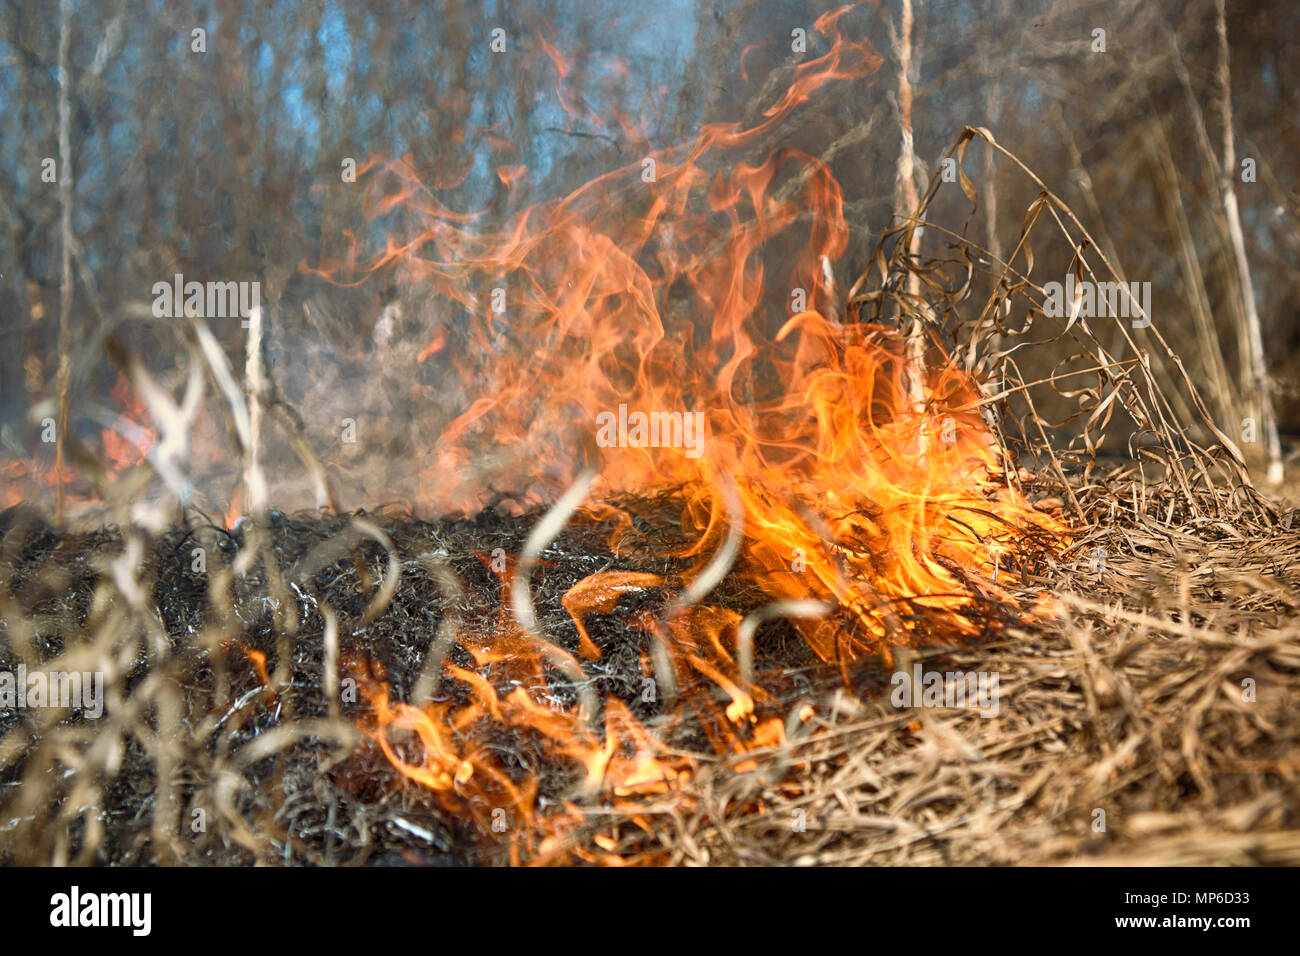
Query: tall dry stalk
1222	392
907	198
989	200
1254	343
255	381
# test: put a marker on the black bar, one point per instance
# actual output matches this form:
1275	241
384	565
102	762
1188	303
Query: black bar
391	907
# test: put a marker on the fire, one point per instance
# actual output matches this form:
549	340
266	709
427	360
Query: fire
869	517
123	446
454	757
128	442
14	472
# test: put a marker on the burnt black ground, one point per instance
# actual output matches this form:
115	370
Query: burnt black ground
360	810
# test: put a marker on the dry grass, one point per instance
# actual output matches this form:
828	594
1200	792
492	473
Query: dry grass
1131	703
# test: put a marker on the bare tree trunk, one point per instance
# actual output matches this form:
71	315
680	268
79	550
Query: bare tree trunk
65	229
1254	336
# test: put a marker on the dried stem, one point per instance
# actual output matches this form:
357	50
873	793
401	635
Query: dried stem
65	277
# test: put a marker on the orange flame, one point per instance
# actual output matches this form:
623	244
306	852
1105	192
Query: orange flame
124	446
128	444
591	327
